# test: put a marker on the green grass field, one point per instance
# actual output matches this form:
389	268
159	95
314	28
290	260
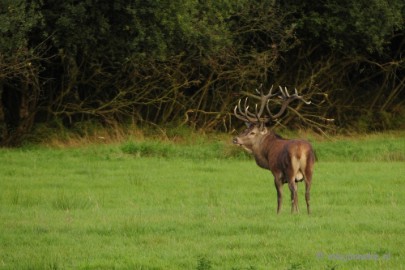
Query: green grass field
153	205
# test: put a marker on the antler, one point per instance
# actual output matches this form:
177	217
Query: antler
256	118
287	99
246	115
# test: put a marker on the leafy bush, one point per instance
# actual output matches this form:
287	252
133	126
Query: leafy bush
188	62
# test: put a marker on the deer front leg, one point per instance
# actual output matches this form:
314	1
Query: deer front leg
279	187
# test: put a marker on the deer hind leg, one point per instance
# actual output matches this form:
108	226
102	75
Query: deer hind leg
307	195
292	185
292	174
294	195
308	181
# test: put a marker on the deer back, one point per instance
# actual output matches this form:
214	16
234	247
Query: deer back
282	156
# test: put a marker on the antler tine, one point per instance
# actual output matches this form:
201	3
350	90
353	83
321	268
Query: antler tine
257	89
284	93
301	98
259	118
252	118
268	110
247	112
264	100
269	95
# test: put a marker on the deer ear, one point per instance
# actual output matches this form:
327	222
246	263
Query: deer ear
263	131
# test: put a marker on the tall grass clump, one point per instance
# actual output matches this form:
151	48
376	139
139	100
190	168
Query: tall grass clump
65	201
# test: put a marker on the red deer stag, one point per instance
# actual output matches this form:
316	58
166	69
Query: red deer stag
290	161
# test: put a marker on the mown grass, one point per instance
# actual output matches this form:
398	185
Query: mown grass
155	205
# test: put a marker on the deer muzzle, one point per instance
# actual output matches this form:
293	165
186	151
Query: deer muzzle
236	141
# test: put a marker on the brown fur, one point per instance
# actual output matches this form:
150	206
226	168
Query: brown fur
290	161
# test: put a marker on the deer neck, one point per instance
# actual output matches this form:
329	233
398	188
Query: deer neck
261	150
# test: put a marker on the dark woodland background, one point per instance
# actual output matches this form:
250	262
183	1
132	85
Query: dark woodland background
186	62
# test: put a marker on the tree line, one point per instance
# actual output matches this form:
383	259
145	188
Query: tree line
187	62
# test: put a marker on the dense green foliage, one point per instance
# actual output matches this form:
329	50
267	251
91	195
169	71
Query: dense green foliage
186	62
350	26
107	207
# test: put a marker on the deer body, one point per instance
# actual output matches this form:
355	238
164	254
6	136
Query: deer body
290	161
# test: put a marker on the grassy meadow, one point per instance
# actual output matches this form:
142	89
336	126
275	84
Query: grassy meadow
203	205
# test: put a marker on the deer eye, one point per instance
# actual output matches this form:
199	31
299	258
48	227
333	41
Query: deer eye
252	133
